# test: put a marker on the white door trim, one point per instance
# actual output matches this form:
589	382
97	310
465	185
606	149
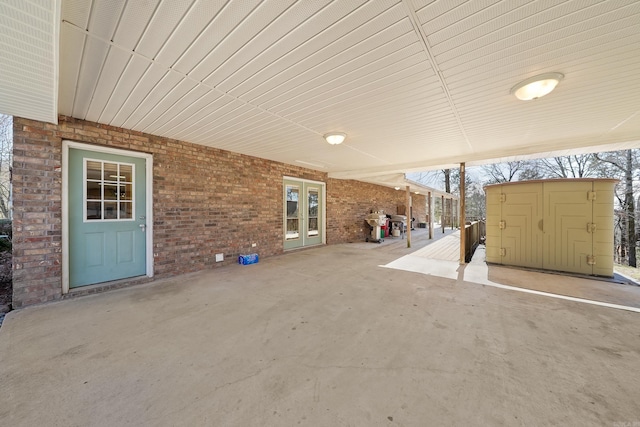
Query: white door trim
322	185
66	145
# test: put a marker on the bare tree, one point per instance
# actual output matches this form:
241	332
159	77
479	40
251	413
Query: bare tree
447	180
6	150
576	166
623	164
441	178
504	172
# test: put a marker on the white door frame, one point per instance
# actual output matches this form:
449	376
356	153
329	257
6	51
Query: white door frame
323	186
66	145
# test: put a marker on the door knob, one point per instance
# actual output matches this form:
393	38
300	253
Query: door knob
143	227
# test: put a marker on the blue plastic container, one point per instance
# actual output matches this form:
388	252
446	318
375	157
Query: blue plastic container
248	259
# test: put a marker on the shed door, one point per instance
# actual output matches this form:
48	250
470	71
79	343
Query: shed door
522	232
494	233
107	224
567	240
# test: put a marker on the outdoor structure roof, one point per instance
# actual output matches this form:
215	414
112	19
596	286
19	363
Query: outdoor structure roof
415	84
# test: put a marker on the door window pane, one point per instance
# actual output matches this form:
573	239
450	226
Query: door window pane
126	210
126	173
312	199
110	210
110	171
94	210
293	222
94	190
126	192
108	191
94	170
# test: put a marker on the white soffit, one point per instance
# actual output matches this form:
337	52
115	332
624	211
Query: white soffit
29	58
415	84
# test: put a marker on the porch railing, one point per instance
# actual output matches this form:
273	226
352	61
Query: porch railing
474	233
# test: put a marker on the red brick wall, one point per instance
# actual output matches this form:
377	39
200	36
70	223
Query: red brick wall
348	202
37	214
206	201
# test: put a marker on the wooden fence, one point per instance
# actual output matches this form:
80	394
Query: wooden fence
474	233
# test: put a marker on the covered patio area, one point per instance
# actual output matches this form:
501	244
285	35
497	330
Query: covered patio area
324	336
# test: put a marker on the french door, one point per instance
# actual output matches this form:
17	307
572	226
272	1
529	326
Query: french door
304	211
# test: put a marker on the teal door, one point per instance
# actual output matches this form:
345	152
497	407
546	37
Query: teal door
107	217
303	213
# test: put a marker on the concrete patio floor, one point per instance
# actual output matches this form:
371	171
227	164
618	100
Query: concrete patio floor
320	337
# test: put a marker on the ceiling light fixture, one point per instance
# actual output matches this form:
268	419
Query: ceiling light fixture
396	188
536	87
335	138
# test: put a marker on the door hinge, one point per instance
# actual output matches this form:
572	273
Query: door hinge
503	252
503	197
502	225
591	260
591	227
591	196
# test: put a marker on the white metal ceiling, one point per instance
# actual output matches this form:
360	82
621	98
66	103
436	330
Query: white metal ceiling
413	83
28	58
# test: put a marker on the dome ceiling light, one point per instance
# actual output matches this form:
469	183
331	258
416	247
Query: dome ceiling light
536	87
335	138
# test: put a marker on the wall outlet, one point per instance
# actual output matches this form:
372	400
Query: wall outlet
219	257
253	245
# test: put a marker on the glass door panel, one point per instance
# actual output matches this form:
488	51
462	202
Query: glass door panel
293	212
312	215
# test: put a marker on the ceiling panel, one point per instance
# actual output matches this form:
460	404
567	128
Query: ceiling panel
76	12
378	33
229	29
170	99
197	114
114	66
134	85
259	124
94	54
70	60
227	127
187	111
174	107
343	96
340	35
259	50
105	16
159	91
333	86
196	20
217	112
161	25
134	22
413	83
526	35
338	68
